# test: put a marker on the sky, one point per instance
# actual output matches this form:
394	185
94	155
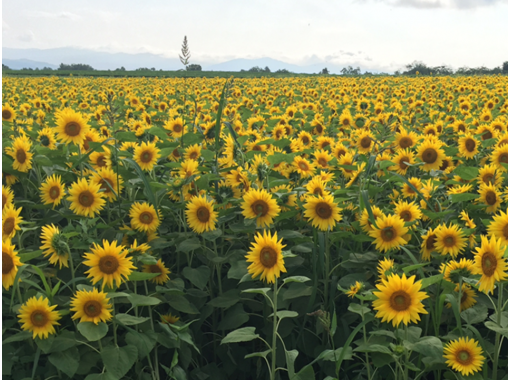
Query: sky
383	35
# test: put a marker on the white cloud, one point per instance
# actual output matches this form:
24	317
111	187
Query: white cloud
5	26
27	37
447	4
50	15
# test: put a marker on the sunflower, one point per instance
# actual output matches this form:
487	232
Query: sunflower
20	152
10	263
499	227
54	246
389	232
8	113
467	299
259	204
192	152
491	263
52	190
364	220
85	198
47	138
91	306
109	182
464	355
200	214
408	191
322	211
463	265
188	168
169	319
428	244
146	155
7	196
108	263
100	160
304	167
365	141
406	139
431	154
500	156
287	196
71	126
409	212
399	300
10	221
322	158
160	268
403	158
266	257
144	217
355	174
354	289
489	174
449	240
316	186
38	317
176	127
490	196
339	150
305	137
346	160
468	146
385	268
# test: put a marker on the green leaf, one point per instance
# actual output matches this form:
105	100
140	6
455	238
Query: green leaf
426	282
140	300
258	291
91	331
189	245
226	300
129	320
140	276
301	279
145	342
280	157
234	317
126	136
285	314
306	373
410	268
245	334
67	361
147	188
212	235
119	360
18	337
497	328
358	309
464	197
466	172
346	347
262	354
26	257
181	304
290	358
101	376
197	276
476	314
160	132
297	290
64	341
429	346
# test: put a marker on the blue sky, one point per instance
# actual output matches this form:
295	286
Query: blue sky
378	34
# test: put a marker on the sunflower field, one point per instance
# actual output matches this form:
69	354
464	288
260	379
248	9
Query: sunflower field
267	228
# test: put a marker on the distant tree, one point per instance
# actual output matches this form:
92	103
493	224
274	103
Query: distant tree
186	55
267	69
47	68
504	68
5	67
142	69
282	71
122	68
324	71
76	66
349	70
256	69
193	67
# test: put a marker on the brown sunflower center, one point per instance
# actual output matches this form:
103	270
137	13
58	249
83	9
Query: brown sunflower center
505	231
4	201
8	225
429	156
365	142
322	162
6	114
464	297
203	214
323	210
489	264
146	217
101	161
487	178
54	192
175	153
7	263
431	241
388	233
405	142
268	257
345	122
402	163
406	215
193	155
155	268
464	357
260	207
490	197
146	156
400	300
487	135
21	156
461	128
39	318
319	128
92	308
303	166
72	129
340	153
86	199
104	185
470	145
449	241
108	264
305	140
177	128
503	157
317	191
86	145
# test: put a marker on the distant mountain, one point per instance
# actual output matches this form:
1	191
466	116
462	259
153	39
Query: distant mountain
246	64
18	64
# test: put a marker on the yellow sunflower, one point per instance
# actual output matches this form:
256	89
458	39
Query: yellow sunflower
316	186
10	263
428	244
102	159
91	306
146	155
108	263
364	220
490	263
468	146
192	152
408	211
54	246
431	154
399	300
160	268
47	138
10	221
406	139
52	190
407	191
266	257
500	156
464	355
304	167
20	152
490	196
322	211
38	317
467	299
365	141
464	265
176	127
109	182
85	198
144	217
71	126
449	240
384	268
489	174
7	196
389	232
259	204
322	158
169	319
402	158
499	227
8	113
354	289
200	214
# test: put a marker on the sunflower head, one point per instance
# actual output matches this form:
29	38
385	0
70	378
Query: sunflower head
71	126
464	355
91	306
37	316
266	257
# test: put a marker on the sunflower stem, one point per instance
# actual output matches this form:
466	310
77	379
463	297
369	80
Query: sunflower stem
275	323
71	263
498	335
369	369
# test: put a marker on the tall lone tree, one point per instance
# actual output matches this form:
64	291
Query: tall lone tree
186	55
